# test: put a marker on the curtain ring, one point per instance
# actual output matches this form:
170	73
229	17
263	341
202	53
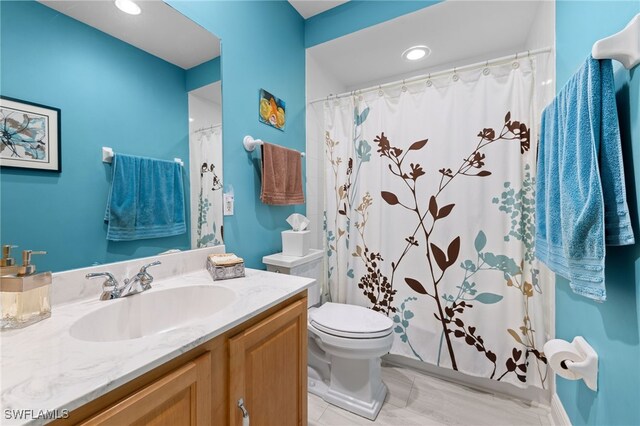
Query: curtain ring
455	74
486	70
515	64
380	92
529	54
429	82
404	88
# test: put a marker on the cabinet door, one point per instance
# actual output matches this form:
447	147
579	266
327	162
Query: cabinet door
182	397
268	369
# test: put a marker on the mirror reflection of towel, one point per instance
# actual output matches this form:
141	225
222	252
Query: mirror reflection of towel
146	199
281	176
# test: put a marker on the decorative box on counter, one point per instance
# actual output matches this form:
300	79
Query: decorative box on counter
225	266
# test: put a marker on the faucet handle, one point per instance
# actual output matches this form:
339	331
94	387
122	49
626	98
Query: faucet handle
110	281
143	270
145	278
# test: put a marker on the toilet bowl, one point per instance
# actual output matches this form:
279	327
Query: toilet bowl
345	346
345	343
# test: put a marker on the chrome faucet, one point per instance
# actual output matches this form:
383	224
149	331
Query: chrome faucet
139	283
145	278
110	289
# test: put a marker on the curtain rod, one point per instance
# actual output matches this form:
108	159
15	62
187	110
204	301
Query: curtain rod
204	129
482	64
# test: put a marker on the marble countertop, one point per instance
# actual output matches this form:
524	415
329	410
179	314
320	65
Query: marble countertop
45	369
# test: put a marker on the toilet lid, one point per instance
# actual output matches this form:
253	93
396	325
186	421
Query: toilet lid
351	321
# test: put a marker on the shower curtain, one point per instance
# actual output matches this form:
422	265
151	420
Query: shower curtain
206	187
429	198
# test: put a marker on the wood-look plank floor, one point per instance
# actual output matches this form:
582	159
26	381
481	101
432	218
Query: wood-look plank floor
418	399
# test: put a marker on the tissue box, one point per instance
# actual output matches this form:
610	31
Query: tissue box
295	243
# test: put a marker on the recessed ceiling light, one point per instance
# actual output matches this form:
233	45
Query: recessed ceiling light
127	6
416	53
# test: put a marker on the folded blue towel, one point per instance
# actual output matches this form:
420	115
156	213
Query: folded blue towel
581	200
146	199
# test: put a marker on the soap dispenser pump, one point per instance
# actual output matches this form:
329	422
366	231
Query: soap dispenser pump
8	263
25	296
27	267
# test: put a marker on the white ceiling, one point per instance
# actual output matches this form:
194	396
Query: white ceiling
309	8
211	92
458	33
159	29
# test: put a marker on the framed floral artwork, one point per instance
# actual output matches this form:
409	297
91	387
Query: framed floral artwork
29	135
272	110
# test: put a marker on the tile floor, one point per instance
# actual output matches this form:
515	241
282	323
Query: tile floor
418	399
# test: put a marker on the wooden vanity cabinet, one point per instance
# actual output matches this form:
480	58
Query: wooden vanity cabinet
182	397
268	366
263	361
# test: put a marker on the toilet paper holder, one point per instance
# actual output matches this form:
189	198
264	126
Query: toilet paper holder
587	368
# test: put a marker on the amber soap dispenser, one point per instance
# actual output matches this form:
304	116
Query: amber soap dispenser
25	295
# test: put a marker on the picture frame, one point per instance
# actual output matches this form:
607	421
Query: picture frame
30	136
272	110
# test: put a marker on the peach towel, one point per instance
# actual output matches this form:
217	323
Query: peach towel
281	176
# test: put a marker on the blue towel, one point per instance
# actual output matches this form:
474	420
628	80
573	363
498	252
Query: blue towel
581	200
146	199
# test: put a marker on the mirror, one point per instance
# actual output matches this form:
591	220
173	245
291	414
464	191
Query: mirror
144	84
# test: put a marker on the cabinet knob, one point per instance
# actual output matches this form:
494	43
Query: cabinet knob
245	413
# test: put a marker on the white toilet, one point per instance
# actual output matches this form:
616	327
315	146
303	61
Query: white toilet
345	343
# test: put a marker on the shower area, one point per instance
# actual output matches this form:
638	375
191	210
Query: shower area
420	180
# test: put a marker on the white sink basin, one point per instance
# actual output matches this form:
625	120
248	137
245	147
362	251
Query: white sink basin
151	313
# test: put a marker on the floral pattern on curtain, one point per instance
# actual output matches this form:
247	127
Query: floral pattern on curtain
206	181
429	219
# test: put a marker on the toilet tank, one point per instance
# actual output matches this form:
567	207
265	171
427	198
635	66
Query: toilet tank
309	266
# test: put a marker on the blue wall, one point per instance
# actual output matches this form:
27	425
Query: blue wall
262	47
203	74
356	15
110	94
611	327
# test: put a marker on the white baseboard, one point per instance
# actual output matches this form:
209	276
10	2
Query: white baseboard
559	416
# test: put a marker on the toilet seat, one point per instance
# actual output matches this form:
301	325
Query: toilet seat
350	321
